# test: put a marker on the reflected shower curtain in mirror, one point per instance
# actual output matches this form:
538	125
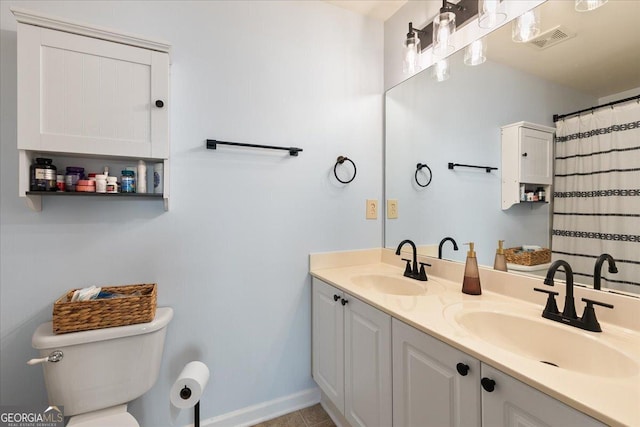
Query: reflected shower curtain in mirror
596	205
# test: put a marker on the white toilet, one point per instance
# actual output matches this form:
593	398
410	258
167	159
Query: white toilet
102	370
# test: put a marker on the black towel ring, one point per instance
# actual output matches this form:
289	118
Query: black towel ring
419	166
341	160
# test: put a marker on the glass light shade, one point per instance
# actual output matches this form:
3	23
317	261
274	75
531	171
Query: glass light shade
526	26
475	53
444	25
490	13
587	5
411	60
440	70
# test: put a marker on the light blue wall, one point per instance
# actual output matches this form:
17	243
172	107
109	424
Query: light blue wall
459	121
231	256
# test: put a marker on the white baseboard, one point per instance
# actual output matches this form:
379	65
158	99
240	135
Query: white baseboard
264	411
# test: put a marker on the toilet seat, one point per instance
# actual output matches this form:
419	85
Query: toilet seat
110	417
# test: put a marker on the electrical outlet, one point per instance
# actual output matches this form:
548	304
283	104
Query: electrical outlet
372	209
392	209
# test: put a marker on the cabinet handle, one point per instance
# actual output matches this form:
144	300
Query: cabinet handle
462	369
488	384
344	301
336	297
524	154
159	103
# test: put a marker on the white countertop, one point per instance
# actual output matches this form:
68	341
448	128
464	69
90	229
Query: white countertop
614	400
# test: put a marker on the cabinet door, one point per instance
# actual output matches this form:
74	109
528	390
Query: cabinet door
83	95
535	156
367	365
514	404
328	341
428	390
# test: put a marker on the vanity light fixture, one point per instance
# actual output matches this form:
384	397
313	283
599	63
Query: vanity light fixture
526	26
444	25
588	5
475	53
490	13
441	70
412	51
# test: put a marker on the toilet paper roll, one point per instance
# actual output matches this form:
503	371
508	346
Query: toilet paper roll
188	388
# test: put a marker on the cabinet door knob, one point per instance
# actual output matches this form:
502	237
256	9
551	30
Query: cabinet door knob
462	369
488	384
344	301
524	154
159	103
336	297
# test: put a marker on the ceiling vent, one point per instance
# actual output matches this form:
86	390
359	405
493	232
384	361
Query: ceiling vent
551	37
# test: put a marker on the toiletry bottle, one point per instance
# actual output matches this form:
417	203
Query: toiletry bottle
471	281
500	263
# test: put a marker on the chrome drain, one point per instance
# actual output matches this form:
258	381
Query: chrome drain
549	363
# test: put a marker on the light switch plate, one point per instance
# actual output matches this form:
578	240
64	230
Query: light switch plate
392	209
372	209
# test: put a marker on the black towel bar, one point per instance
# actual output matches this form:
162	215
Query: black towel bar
486	168
212	145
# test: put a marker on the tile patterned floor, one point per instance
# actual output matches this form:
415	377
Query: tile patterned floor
313	416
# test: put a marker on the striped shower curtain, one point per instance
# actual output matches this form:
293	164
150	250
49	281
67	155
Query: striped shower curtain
596	205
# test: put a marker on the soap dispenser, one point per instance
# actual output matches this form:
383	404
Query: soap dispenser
500	263
471	281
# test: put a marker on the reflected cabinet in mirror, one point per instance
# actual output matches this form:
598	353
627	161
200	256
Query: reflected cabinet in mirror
430	124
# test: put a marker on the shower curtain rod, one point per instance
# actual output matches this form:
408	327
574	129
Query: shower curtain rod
557	117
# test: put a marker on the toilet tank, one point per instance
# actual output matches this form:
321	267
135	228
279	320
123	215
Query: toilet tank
102	367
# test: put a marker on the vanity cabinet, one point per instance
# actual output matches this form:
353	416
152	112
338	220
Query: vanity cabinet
436	385
89	93
351	355
527	160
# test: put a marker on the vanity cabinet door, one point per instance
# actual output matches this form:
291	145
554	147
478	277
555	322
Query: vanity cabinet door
514	404
82	95
367	365
428	389
328	341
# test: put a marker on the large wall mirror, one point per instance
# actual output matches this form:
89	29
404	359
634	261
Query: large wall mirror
459	120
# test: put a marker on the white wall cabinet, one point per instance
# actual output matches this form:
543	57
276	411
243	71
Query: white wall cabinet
352	356
89	92
437	385
527	159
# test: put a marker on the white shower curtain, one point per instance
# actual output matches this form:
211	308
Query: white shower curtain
596	205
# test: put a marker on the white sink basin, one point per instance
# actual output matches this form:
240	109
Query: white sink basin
543	340
394	285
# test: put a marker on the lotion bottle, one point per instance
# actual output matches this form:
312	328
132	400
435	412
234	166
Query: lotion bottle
500	263
471	281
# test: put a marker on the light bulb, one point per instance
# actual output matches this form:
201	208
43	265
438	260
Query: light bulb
489	13
526	26
411	61
474	54
444	25
441	70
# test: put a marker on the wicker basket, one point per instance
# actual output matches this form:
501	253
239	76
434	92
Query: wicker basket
138	306
517	256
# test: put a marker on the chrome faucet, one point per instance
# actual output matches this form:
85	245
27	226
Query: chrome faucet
412	271
597	270
442	242
568	316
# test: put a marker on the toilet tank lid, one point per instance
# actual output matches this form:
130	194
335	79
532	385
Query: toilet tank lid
44	338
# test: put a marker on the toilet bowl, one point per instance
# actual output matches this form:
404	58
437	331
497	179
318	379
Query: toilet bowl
102	370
